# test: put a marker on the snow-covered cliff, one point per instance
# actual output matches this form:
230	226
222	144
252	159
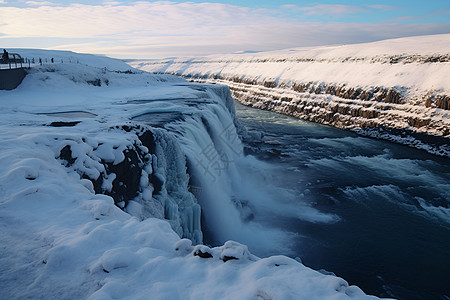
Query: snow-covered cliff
394	89
103	170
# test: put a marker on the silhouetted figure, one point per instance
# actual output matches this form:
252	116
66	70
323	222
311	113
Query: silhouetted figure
5	54
40	61
52	60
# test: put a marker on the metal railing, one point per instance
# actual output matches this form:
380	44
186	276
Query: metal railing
26	62
11	65
12	61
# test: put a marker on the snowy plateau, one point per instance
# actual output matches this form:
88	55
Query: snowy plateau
103	190
398	89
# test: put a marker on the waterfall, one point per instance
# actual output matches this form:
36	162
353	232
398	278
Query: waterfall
197	151
199	161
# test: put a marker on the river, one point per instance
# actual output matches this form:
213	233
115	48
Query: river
391	204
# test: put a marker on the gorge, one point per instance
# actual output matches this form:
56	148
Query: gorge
394	89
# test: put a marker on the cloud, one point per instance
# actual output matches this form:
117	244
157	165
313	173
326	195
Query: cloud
422	18
327	9
138	20
39	3
442	12
405	19
384	7
164	28
111	3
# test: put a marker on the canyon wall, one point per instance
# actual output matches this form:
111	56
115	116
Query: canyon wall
395	89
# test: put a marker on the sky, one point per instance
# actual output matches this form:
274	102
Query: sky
160	29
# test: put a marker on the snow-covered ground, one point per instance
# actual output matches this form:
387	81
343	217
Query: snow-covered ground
82	136
395	89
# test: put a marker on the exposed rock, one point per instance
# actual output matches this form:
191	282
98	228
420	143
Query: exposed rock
202	254
270	84
63	124
227	258
128	174
126	184
95	82
354	108
418	123
443	102
66	154
203	251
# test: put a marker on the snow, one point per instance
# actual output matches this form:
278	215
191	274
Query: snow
394	84
60	240
356	65
71	58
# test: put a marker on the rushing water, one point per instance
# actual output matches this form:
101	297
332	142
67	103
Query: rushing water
391	234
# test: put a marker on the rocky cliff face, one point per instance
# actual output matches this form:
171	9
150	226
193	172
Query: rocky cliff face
394	90
376	111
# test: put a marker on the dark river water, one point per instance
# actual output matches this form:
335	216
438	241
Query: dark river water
392	238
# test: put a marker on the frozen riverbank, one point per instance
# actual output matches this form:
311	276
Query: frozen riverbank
395	89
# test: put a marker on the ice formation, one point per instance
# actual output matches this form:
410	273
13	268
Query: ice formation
104	169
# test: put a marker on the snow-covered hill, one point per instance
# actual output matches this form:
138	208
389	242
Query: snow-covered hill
96	193
395	89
